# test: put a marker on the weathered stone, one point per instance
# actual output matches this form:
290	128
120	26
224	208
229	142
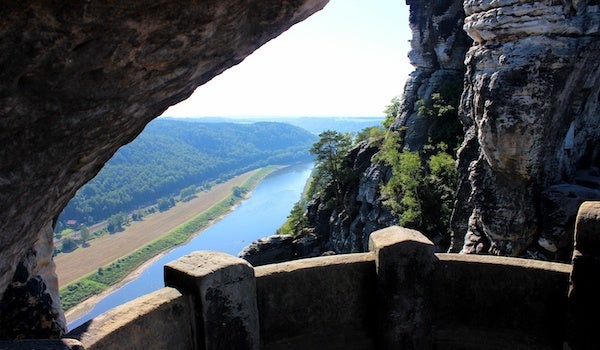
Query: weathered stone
584	304
438	48
269	250
79	80
559	207
405	262
437	51
322	303
343	229
163	319
531	103
225	289
31	306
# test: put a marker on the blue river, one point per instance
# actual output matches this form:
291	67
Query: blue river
258	216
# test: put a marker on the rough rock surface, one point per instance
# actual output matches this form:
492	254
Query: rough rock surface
530	110
346	229
31	304
340	230
438	45
438	49
560	205
531	103
269	250
79	80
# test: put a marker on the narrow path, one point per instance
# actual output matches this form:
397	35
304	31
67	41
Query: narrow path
106	249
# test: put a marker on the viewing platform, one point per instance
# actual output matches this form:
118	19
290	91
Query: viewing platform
400	295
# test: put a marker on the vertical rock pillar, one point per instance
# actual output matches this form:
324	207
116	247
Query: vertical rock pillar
404	261
224	288
584	290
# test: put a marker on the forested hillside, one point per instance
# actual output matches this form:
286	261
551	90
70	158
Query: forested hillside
171	155
315	125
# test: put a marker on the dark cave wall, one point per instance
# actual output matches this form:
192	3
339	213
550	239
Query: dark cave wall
80	79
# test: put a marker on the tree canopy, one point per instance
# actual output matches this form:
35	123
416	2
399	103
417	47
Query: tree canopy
172	155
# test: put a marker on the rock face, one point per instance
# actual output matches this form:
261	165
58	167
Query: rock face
439	45
77	81
438	49
530	110
340	229
31	304
531	104
346	228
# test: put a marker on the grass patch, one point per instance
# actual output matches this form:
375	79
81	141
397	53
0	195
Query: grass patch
106	276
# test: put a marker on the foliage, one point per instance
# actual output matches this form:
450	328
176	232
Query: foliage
64	233
171	156
441	185
76	292
239	192
405	184
372	135
422	185
84	233
165	203
188	193
441	108
391	112
116	222
330	151
421	194
68	245
296	221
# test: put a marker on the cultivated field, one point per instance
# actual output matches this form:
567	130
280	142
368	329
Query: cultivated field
108	248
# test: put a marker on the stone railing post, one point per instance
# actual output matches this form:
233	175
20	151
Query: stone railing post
404	261
584	289
224	288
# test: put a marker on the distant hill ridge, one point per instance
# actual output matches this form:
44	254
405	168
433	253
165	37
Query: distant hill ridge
170	155
315	125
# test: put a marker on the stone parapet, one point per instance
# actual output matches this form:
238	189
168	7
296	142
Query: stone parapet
320	303
400	295
159	320
405	263
225	290
584	289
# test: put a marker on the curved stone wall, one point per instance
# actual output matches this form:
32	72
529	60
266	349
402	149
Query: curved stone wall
399	293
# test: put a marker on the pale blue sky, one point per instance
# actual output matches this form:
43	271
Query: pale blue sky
349	59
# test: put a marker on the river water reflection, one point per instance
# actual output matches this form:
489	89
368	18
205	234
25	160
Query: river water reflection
256	217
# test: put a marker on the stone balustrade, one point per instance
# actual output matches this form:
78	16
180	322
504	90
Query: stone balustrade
399	295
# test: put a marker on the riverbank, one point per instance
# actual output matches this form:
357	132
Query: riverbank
113	274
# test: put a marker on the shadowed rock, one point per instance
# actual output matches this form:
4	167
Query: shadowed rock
80	79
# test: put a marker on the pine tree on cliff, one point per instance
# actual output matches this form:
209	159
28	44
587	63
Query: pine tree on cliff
330	151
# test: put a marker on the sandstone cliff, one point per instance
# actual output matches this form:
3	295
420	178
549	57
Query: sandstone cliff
530	111
531	106
438	45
